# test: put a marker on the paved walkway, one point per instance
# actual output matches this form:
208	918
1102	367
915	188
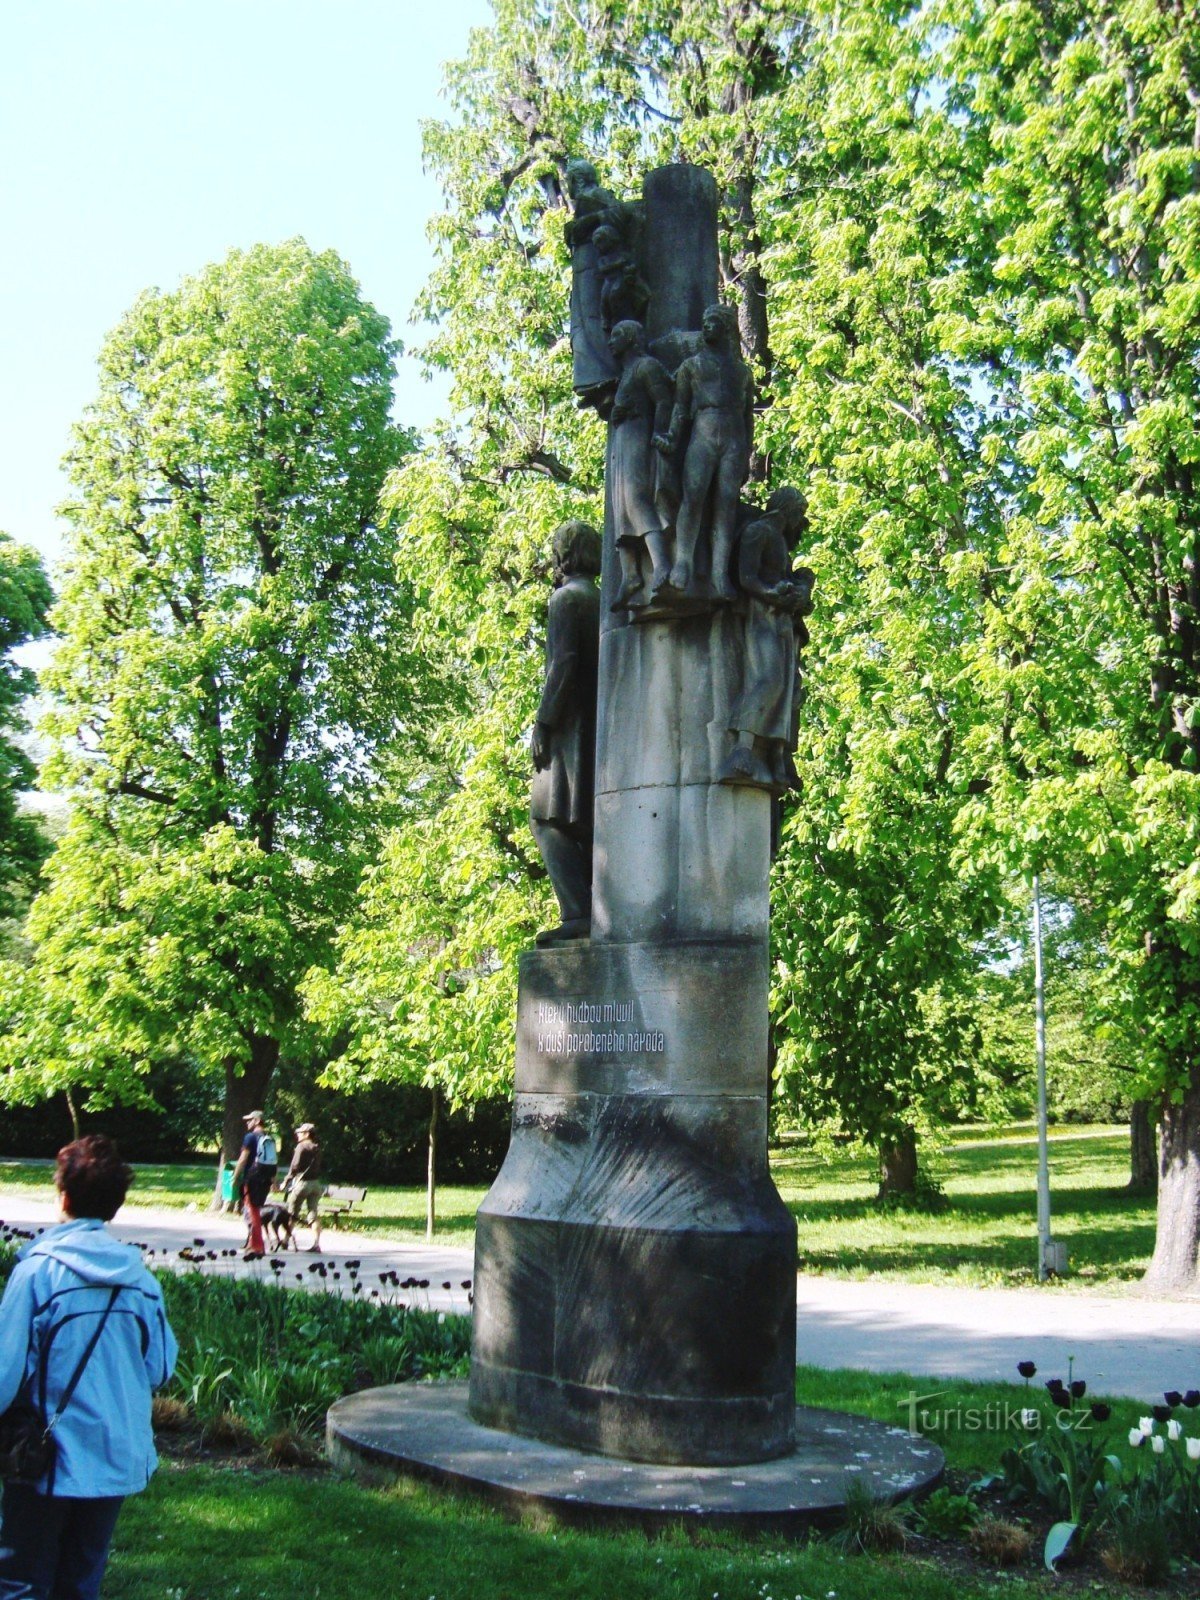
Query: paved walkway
1128	1344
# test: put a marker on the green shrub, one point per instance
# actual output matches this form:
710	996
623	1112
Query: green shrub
276	1359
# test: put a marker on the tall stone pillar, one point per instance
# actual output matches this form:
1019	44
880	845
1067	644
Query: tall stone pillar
635	1267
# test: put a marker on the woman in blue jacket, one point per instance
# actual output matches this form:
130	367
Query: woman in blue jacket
72	1280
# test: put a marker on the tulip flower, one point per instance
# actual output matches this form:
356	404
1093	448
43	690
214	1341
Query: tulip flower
1174	1429
1146	1425
1136	1436
1158	1444
1025	1368
1193	1449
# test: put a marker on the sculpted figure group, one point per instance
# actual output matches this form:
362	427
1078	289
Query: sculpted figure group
679	456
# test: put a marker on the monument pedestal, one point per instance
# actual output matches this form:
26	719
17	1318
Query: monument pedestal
635	1268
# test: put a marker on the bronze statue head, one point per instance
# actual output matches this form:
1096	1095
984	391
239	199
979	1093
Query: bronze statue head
581	174
577	550
627	335
719	323
790	506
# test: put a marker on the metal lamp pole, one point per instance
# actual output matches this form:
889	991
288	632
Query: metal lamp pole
1052	1256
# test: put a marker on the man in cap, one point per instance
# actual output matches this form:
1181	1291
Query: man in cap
253	1176
303	1185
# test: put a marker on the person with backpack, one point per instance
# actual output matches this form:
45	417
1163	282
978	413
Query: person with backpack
253	1176
84	1340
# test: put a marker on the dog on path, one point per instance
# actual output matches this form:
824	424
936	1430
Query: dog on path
277	1227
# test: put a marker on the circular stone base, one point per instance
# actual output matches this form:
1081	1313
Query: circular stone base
423	1430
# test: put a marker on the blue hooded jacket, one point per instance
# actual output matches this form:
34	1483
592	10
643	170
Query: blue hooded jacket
55	1297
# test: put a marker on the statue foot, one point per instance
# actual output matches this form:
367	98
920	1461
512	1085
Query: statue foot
747	769
724	592
681	577
625	593
573	928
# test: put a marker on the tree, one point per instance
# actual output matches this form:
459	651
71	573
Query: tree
24	601
1078	130
233	670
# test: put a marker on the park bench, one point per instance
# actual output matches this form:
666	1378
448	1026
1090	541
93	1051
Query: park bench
339	1202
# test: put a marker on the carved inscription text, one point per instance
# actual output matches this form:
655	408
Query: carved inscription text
593	1027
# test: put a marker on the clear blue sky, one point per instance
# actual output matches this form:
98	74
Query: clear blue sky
141	139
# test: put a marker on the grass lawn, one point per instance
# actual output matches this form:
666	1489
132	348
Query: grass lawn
205	1532
986	1234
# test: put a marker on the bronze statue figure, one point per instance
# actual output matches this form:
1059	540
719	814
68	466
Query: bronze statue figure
641	409
714	407
564	734
594	375
764	718
623	292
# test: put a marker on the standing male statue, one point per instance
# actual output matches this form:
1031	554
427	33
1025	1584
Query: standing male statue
564	735
714	403
641	409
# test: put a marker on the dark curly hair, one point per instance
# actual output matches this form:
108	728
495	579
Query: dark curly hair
93	1177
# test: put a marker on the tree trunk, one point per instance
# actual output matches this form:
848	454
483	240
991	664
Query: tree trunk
1176	1261
431	1181
898	1165
1143	1152
245	1091
74	1110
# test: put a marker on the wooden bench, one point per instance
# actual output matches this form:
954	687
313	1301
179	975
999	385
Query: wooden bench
339	1202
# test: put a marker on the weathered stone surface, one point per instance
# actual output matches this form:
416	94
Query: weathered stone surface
677	854
643	1019
680	263
423	1430
635	1268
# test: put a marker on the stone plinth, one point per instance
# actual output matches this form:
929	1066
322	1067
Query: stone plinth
423	1430
634	1266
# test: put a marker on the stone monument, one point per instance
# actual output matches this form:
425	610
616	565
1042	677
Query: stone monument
634	1335
635	1277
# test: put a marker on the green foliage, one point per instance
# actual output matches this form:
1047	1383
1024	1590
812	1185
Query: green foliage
25	598
274	1358
1075	131
233	666
871	1525
946	1515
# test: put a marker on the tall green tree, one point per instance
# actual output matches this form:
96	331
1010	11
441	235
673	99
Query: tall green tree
1079	127
24	601
234	667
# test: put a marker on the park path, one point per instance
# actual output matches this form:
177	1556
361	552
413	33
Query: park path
1121	1344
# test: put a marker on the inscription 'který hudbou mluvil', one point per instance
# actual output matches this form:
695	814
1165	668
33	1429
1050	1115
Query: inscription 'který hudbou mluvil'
564	1013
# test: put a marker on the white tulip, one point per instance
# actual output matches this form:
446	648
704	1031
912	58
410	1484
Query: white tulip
1158	1444
1135	1437
1174	1429
1193	1449
1146	1425
1030	1418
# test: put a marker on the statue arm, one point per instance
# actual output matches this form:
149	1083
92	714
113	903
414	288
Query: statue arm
662	392
681	413
750	545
